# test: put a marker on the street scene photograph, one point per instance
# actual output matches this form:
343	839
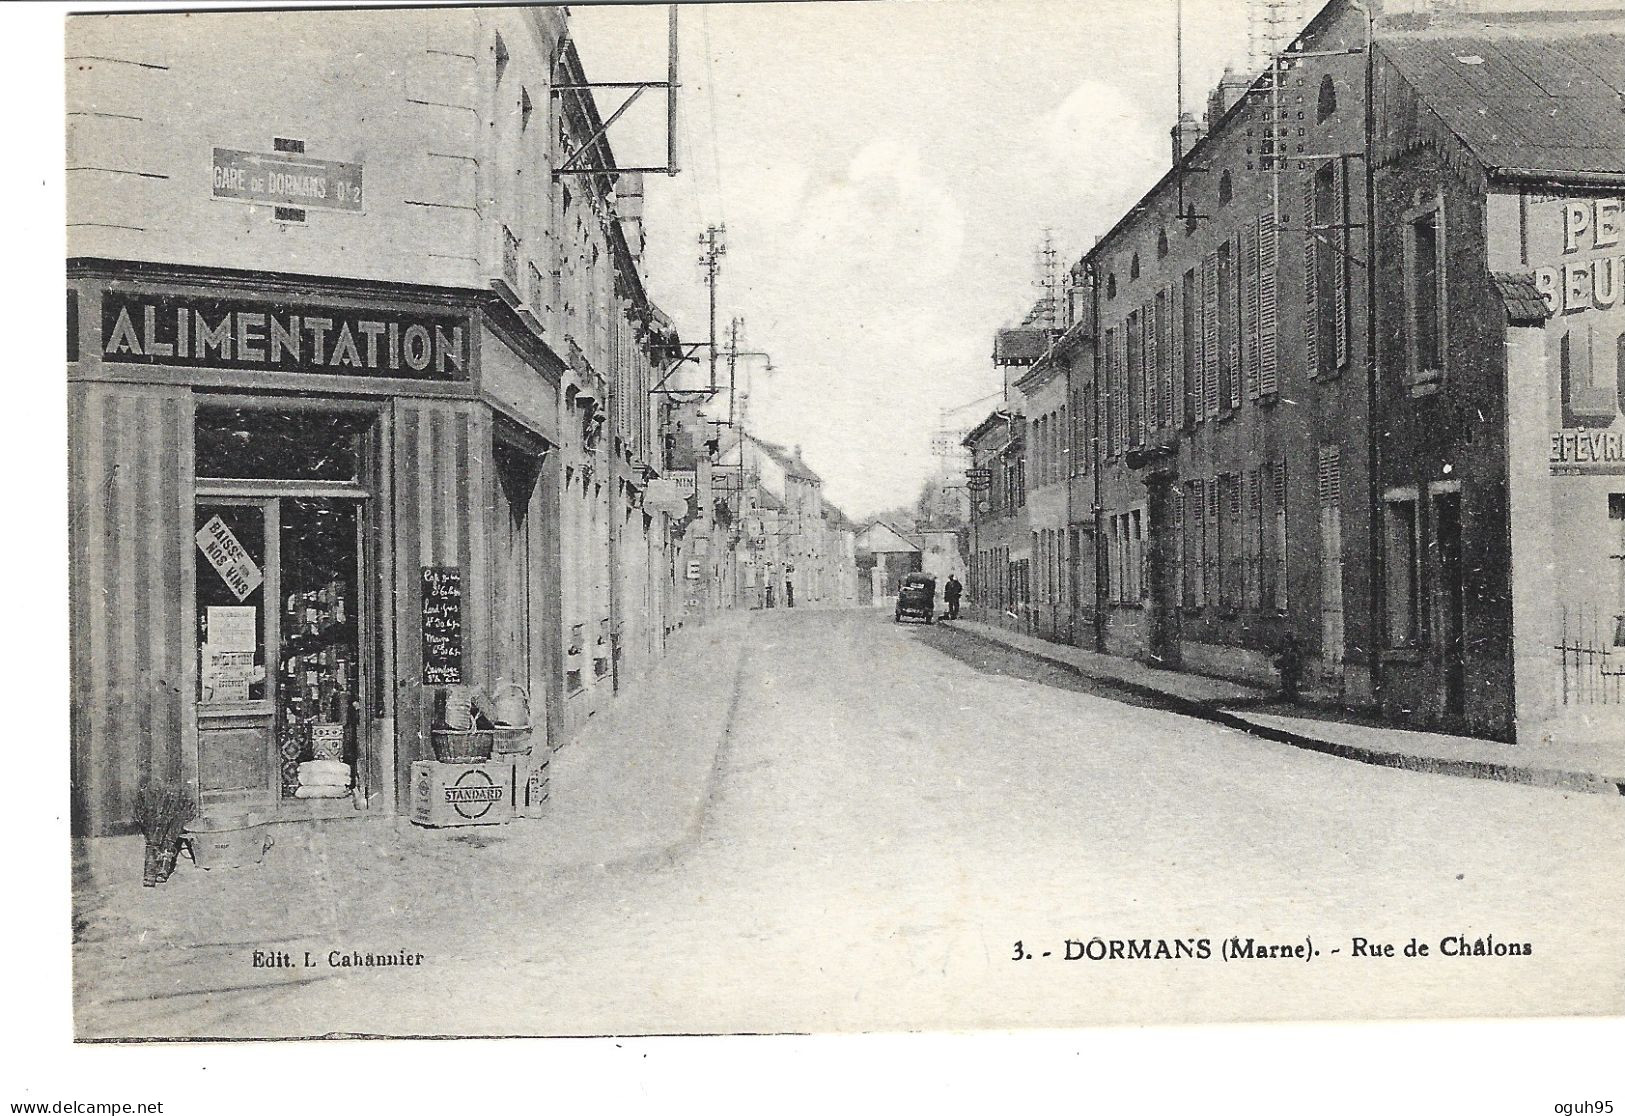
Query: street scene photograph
841	518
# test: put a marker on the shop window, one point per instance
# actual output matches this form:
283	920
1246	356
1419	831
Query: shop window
1403	572
252	444
1590	389
1326	102
1424	290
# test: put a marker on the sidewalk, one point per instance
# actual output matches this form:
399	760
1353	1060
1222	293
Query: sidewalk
1259	712
629	792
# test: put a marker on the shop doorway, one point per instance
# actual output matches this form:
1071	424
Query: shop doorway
287	599
1449	603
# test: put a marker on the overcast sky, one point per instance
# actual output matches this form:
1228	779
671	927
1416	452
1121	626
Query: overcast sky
886	170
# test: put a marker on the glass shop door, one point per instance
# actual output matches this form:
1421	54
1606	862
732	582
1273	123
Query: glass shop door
287	594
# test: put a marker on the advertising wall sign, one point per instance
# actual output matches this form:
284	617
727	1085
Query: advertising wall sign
286	179
442	626
1593	259
1587	451
264	336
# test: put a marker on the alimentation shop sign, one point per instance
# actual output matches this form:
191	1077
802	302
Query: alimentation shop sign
265	336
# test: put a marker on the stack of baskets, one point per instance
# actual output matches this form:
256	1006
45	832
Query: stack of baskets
469	726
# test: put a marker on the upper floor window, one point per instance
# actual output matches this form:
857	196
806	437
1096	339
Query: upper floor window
1162	243
1226	188
1326	103
501	50
1425	297
1134	266
1111	286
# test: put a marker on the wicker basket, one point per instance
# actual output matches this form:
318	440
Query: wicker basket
473	746
511	740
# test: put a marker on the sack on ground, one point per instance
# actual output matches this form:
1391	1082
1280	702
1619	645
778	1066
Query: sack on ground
322	792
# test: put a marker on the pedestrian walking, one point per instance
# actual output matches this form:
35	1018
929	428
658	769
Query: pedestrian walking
950	593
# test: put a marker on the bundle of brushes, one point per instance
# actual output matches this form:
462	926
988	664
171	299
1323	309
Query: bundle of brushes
161	812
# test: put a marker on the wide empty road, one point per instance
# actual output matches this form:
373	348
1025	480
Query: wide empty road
899	806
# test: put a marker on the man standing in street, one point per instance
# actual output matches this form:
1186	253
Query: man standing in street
950	593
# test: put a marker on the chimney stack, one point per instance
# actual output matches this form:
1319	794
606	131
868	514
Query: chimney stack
1185	134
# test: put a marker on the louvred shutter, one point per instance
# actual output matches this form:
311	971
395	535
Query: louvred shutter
1210	334
1340	263
1311	311
1249	275
1268	379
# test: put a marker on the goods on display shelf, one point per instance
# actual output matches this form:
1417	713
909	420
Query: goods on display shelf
316	684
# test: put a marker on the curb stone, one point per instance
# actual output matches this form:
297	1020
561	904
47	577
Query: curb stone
1546	778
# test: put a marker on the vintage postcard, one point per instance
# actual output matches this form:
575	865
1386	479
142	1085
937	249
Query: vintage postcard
844	517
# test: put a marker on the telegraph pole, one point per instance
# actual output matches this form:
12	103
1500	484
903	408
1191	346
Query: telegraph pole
711	266
733	357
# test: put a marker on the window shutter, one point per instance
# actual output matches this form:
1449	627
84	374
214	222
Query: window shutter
1268	381
1198	545
1153	364
1236	356
1198	341
1340	265
1123	373
1330	477
1212	555
1165	333
1311	333
1176	356
1249	314
1140	382
1210	333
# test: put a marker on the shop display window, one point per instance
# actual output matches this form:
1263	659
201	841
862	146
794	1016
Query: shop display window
252	444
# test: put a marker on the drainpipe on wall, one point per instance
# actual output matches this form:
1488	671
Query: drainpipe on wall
1095	458
1376	622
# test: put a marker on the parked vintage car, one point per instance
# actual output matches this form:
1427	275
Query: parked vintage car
917	596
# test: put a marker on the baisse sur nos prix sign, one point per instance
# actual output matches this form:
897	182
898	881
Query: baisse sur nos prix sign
263	336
